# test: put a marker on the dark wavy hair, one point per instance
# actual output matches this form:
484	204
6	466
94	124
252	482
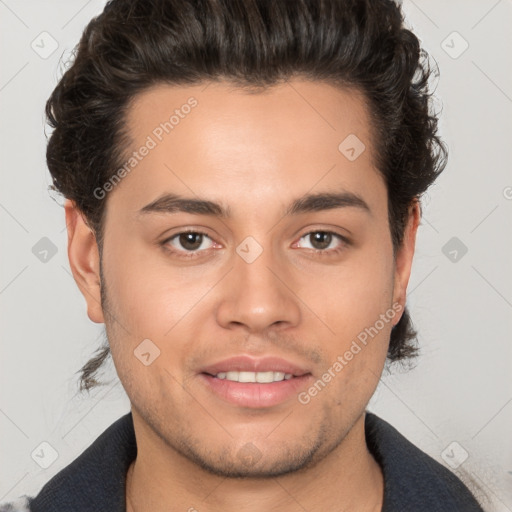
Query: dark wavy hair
254	44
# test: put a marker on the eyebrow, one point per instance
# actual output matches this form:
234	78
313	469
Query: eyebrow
173	203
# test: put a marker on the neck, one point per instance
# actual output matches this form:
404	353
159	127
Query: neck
346	479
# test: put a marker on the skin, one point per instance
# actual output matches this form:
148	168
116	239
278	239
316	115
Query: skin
255	153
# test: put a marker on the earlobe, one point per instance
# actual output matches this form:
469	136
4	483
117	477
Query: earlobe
84	260
404	256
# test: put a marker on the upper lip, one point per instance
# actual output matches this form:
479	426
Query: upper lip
245	363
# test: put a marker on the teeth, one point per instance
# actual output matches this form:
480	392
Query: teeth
261	377
265	377
246	377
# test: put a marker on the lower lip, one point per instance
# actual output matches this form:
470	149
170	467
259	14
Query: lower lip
255	394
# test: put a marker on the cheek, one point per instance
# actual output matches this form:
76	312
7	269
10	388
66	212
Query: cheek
355	357
151	301
149	295
354	296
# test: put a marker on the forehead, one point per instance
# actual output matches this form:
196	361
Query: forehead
218	141
325	113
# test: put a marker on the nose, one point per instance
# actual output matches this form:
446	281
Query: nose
258	295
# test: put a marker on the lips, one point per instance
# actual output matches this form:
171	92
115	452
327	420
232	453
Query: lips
260	377
255	365
257	383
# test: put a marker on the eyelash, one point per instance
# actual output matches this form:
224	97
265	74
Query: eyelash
193	254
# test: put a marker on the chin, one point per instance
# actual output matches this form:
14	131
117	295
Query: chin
249	462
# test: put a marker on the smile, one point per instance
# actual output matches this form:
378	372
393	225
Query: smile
260	377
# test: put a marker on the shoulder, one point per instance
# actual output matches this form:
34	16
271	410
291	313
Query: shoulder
412	477
95	480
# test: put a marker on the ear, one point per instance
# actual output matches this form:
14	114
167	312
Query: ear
404	257
84	260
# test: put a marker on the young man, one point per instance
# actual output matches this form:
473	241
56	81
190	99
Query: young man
243	181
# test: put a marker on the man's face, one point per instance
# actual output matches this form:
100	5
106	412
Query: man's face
262	290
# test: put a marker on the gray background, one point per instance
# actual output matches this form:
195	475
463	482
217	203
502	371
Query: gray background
456	403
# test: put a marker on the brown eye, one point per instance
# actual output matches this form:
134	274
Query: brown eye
320	240
324	242
190	241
